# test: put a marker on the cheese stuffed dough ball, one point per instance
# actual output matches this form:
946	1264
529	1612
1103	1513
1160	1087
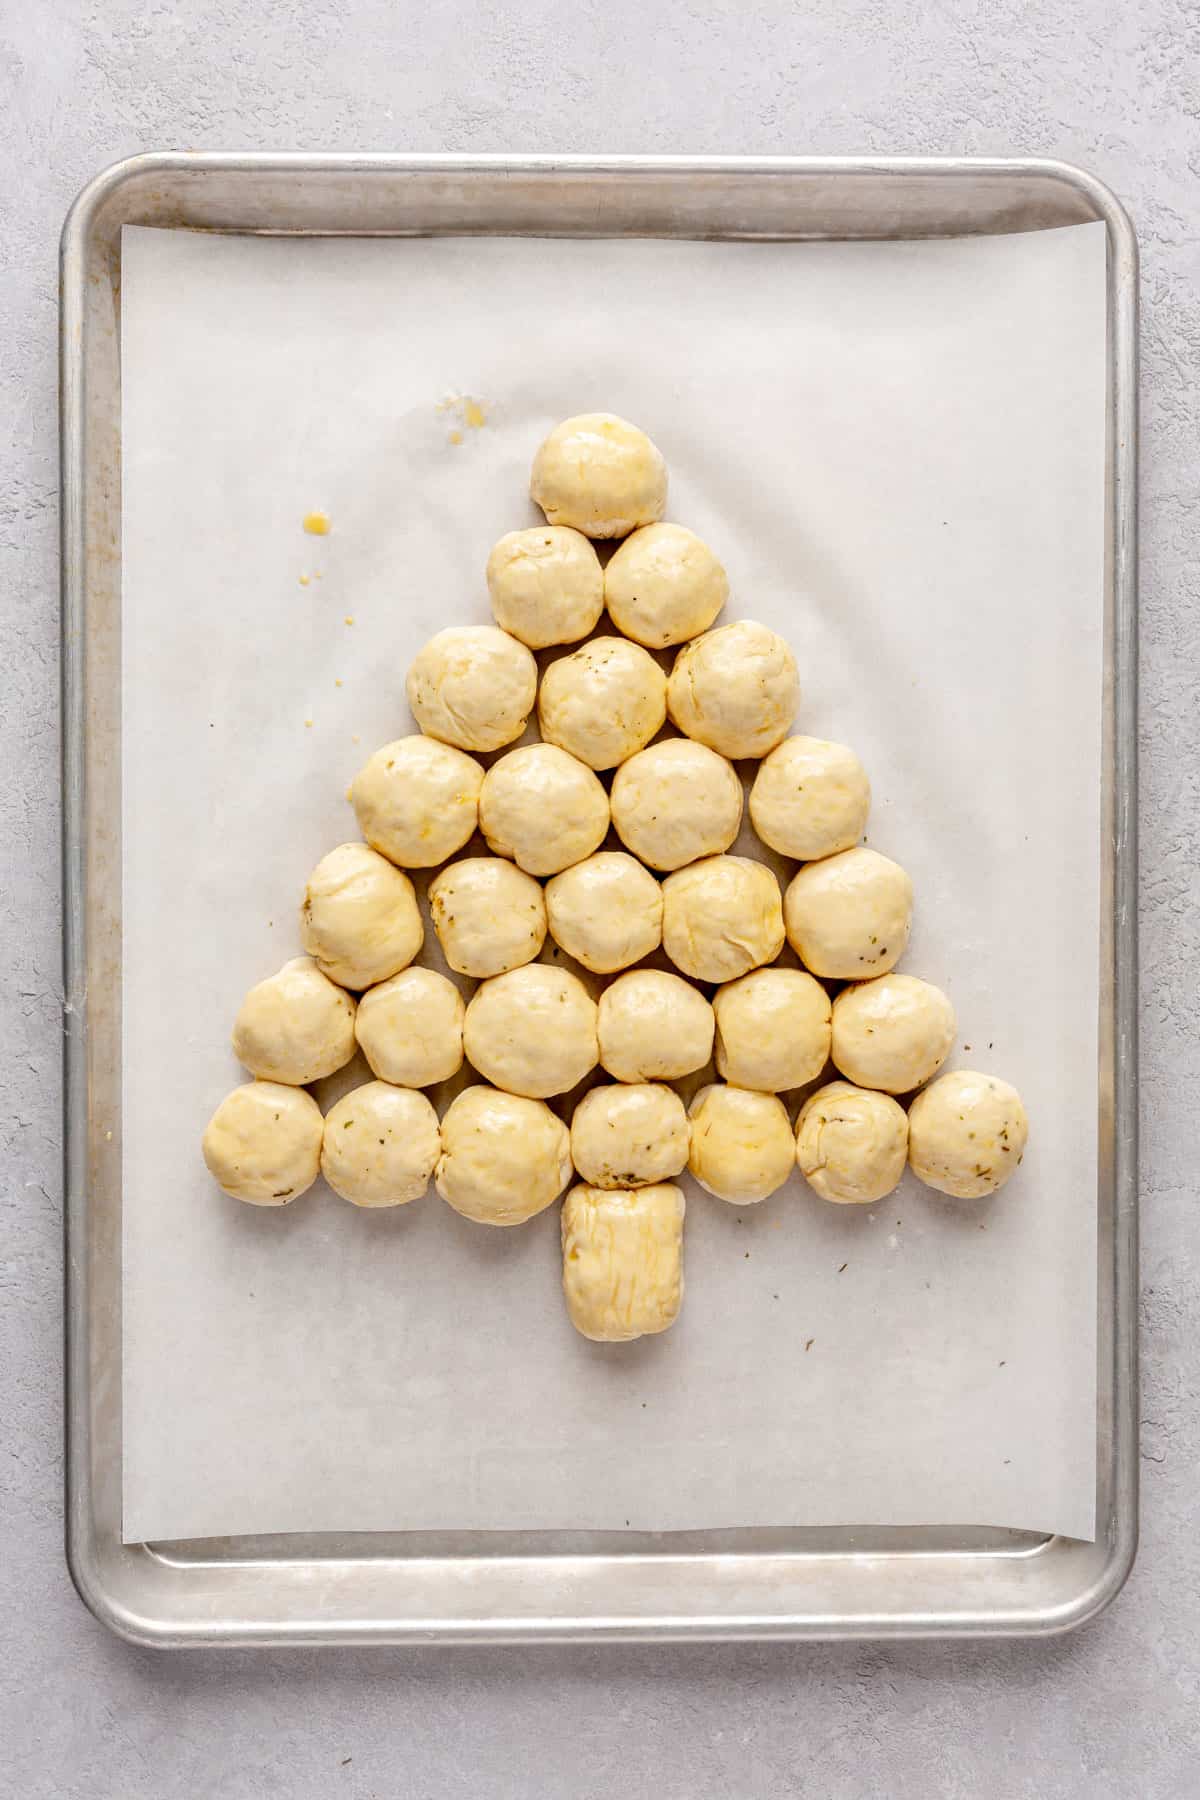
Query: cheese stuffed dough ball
849	915
629	1135
417	801
772	1029
489	915
543	808
472	686
263	1143
966	1134
676	801
360	920
851	1143
410	1029
663	586
503	1158
606	911
722	917
742	1147
546	585
602	702
653	1026
810	799
532	1031
622	1260
735	689
599	474
892	1033
381	1145
295	1027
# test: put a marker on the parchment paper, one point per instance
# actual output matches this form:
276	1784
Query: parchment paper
897	449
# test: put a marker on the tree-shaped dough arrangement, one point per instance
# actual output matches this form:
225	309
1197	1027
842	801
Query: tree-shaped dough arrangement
607	845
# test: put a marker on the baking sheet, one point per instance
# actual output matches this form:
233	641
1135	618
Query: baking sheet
898	449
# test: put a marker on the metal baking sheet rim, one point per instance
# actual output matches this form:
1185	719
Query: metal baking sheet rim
801	1584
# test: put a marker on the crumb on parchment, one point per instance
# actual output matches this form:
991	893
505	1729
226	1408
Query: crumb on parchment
465	412
316	523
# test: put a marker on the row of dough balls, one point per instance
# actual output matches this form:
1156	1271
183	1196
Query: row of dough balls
418	801
501	1158
847	917
735	689
536	1031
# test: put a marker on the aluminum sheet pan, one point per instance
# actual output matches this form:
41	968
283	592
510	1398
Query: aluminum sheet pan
488	1586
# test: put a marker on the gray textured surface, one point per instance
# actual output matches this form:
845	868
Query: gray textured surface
1111	1712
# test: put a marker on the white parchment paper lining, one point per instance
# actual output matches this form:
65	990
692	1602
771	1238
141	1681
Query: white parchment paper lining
898	451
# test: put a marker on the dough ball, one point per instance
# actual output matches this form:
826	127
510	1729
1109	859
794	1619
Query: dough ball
735	689
602	702
296	1026
849	915
629	1135
472	686
622	1260
599	474
664	585
810	799
543	808
606	912
722	917
966	1134
360	918
772	1029
417	801
546	585
411	1028
742	1144
653	1027
892	1033
676	801
532	1031
489	916
381	1145
263	1143
851	1143
503	1158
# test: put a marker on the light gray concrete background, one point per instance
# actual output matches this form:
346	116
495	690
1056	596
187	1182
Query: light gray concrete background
1114	1711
